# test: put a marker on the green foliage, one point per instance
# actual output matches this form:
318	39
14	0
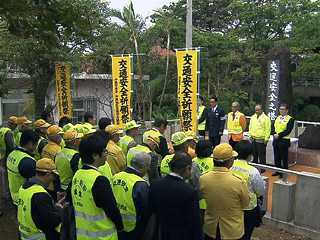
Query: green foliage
309	113
234	36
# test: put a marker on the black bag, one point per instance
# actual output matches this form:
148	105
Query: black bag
260	212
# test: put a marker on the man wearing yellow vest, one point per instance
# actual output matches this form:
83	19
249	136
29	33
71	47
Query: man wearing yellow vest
89	120
53	146
159	126
202	114
192	143
131	193
180	144
23	124
96	213
6	147
149	146
283	126
39	218
259	133
115	155
255	184
20	164
41	127
236	124
127	141
67	159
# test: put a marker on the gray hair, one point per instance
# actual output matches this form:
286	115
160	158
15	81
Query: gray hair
54	138
140	159
237	104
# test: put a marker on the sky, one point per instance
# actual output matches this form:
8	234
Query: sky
142	7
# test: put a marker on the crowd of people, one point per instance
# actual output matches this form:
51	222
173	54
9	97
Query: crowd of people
77	182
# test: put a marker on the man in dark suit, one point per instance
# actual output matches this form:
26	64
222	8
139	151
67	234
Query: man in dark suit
283	126
215	122
175	203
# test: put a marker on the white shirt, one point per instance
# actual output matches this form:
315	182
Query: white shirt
256	184
215	108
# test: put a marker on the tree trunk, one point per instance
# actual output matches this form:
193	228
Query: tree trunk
140	78
167	69
40	86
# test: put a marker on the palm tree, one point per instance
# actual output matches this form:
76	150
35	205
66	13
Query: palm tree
133	26
164	19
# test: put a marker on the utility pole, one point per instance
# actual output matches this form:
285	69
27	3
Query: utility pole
189	25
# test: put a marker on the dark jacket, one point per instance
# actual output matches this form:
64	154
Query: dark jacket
176	207
215	121
44	214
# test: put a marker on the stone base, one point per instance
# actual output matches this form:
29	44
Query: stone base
305	157
290	227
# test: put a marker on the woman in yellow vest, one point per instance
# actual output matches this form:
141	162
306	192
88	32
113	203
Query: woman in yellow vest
283	126
255	184
205	162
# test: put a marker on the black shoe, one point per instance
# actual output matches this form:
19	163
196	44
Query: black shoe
276	174
262	170
280	175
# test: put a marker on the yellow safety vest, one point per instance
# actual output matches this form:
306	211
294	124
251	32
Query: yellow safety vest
122	187
243	169
133	151
14	177
27	227
206	165
234	126
106	171
164	168
37	155
124	142
62	160
3	146
17	137
91	221
281	126
202	126
260	128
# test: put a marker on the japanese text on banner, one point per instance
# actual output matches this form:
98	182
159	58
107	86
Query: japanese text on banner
121	77
63	90
187	89
273	88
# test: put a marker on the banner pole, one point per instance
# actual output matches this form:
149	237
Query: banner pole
131	90
198	75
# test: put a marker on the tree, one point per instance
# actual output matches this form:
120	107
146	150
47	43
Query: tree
37	34
133	26
164	19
